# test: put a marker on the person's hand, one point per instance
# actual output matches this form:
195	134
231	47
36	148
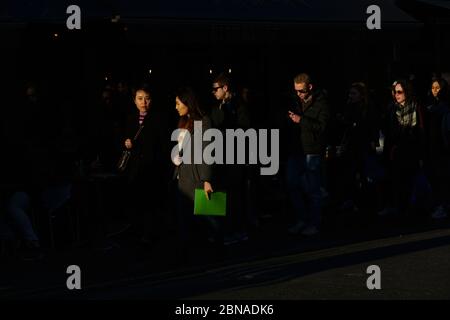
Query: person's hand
177	160
294	117
208	189
128	144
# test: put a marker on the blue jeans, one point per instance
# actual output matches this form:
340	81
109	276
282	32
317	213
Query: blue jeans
18	205
304	176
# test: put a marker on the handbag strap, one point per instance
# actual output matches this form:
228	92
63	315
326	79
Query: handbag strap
138	132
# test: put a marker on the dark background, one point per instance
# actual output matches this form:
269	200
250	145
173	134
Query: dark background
265	43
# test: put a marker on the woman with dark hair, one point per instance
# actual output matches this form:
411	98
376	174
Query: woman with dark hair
404	146
360	134
190	175
437	128
146	137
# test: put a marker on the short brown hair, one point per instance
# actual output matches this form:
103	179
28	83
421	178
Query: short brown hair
303	78
223	80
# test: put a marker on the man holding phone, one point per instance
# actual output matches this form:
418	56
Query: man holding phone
305	169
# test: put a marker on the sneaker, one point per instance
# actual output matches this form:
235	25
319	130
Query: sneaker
147	241
241	236
116	229
348	205
230	239
296	228
387	211
106	245
31	251
310	231
439	213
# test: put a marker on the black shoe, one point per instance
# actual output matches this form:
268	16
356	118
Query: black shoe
148	242
31	254
106	245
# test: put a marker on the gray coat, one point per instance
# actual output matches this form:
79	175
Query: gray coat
192	176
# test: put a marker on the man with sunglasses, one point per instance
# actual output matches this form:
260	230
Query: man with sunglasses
230	113
304	170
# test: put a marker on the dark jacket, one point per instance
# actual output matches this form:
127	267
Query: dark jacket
360	129
436	127
405	145
192	176
232	114
313	125
150	152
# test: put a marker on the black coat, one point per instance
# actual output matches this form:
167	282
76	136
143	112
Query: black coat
436	113
404	145
313	125
360	129
232	114
150	151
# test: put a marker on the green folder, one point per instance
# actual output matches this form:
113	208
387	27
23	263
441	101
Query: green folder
215	206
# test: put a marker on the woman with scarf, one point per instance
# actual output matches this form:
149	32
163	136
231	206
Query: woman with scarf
404	147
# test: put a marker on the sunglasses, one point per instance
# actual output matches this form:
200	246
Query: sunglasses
214	89
302	91
398	92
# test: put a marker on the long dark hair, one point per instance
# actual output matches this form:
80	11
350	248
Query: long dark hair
443	92
188	97
411	109
363	92
408	90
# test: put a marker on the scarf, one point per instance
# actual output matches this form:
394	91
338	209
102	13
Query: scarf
407	115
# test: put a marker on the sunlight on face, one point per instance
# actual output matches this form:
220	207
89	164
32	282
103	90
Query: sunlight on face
435	88
142	100
400	96
181	107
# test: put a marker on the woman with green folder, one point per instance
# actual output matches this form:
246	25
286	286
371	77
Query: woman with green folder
190	176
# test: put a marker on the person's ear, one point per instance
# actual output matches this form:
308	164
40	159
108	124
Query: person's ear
310	87
225	88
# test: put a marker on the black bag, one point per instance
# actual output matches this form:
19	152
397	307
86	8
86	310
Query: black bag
124	159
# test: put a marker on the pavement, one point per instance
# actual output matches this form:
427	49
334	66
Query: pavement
414	261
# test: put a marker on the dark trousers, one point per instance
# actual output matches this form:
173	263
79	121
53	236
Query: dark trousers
231	178
304	176
439	169
146	201
189	226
